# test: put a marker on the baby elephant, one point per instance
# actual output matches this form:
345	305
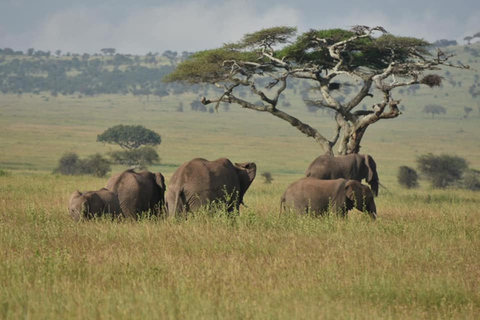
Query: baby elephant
93	203
318	196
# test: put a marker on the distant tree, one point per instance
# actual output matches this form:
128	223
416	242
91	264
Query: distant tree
137	142
160	92
30	51
170	55
467	111
197	106
130	137
407	177
434	109
468	39
108	51
58	53
442	170
445	43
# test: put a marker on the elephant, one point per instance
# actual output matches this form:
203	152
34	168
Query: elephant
350	167
199	182
89	204
138	192
318	196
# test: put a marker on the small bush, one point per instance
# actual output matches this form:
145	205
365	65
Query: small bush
443	170
407	177
4	173
268	177
71	164
471	180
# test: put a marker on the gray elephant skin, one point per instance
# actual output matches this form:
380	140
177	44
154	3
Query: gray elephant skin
200	182
89	204
138	192
350	167
318	196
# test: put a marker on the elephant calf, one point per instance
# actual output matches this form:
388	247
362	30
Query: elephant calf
318	196
89	204
200	182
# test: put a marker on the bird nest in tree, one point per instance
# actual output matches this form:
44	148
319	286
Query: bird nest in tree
432	80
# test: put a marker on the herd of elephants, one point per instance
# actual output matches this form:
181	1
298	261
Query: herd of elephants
330	184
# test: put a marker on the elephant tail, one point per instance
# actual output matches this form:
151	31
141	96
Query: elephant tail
179	199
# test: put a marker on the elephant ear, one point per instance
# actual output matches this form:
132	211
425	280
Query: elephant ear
75	195
160	180
350	195
249	167
372	177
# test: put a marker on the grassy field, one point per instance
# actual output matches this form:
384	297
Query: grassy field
420	259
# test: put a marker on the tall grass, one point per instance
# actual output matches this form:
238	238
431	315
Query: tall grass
418	260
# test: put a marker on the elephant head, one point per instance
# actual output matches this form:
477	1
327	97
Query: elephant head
246	173
361	197
84	205
369	171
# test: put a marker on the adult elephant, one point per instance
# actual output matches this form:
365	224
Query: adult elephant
86	205
200	182
318	196
138	192
350	167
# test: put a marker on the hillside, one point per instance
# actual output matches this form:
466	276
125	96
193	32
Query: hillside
37	127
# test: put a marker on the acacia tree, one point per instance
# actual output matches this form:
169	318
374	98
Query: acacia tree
322	57
137	142
434	109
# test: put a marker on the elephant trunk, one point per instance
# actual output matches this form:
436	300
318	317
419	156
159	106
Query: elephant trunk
372	210
374	184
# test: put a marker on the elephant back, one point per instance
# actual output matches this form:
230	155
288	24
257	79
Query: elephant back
137	192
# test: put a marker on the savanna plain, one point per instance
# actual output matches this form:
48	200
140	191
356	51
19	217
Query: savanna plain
419	260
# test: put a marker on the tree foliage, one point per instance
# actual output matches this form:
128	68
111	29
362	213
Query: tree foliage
130	137
434	109
443	170
272	58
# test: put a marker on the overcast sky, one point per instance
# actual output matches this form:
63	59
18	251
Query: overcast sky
142	26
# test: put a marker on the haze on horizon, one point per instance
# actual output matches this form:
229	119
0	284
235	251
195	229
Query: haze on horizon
139	27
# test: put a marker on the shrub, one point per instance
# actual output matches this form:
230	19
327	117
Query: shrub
407	177
268	177
4	173
471	179
443	170
68	164
71	164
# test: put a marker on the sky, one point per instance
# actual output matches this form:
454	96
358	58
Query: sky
142	26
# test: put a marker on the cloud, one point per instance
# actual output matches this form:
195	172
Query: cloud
190	26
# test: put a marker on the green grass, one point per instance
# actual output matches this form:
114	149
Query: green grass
420	259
